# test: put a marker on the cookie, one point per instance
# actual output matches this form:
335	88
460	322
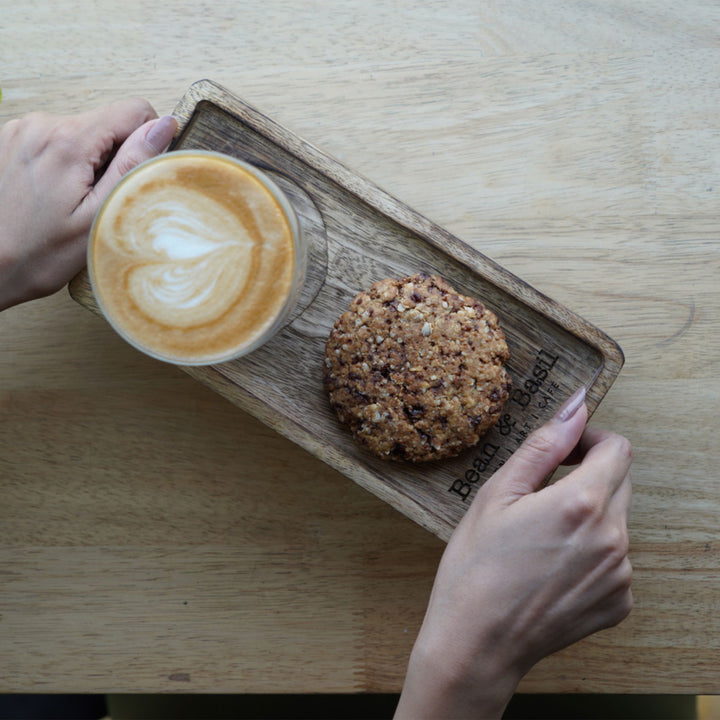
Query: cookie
416	370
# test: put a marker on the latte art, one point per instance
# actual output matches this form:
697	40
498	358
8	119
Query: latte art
187	270
193	258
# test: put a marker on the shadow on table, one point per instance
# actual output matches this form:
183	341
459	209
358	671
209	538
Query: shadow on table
299	707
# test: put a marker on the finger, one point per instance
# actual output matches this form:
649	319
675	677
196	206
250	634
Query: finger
617	601
543	450
119	119
607	459
590	438
100	131
146	142
609	610
621	500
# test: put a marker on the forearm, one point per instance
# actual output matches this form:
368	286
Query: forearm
438	686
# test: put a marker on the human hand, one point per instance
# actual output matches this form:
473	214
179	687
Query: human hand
55	171
529	570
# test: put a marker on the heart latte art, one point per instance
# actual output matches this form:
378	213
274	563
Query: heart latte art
192	258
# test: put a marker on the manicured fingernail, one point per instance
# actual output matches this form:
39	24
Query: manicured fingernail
161	133
570	406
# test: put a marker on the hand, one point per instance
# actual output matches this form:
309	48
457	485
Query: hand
55	172
529	570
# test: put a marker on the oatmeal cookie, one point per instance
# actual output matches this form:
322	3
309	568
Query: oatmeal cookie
416	370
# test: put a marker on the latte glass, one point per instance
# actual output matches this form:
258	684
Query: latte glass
196	258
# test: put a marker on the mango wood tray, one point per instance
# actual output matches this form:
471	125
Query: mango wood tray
360	234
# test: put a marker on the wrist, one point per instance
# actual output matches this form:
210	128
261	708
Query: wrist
440	684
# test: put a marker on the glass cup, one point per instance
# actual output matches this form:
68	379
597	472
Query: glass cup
196	258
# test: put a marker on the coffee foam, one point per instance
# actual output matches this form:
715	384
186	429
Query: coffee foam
192	258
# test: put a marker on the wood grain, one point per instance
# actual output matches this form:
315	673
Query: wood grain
573	143
361	235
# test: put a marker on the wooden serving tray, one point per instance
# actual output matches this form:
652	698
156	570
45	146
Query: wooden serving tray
358	235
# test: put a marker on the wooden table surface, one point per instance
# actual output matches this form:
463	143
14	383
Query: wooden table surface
156	538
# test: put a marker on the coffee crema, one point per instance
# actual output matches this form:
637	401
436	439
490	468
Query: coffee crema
193	257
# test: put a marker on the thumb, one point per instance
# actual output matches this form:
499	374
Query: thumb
543	450
144	143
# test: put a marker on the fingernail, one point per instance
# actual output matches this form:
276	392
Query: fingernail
570	406
161	133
